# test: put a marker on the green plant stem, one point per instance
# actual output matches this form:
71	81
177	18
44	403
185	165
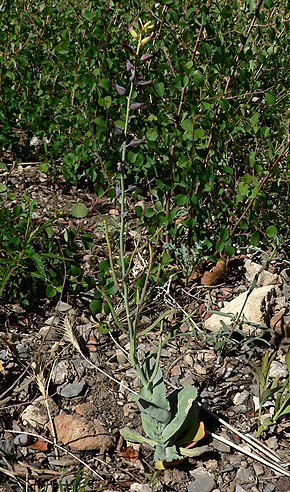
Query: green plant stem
111	256
125	288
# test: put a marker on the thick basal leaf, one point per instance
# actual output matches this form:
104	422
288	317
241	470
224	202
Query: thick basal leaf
134	436
155	392
195	434
151	427
194	452
182	404
161	415
167	454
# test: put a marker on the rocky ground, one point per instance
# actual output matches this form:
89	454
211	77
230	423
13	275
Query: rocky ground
60	410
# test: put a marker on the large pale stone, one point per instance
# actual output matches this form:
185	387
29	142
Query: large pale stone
257	309
265	277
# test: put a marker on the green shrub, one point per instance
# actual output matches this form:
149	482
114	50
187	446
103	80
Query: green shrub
215	159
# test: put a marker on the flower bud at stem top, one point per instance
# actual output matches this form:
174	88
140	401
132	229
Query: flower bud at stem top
133	33
148	26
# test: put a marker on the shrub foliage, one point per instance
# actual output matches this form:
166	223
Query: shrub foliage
215	119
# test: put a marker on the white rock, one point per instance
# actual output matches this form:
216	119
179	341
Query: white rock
140	487
265	277
63	307
258	305
36	413
278	369
240	398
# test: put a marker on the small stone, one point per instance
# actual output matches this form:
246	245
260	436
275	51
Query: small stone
52	320
240	398
259	469
60	372
257	308
278	369
270	487
49	333
121	357
199	369
63	307
188	360
36	413
283	485
239	488
23	440
72	389
202	481
272	443
265	277
188	380
244	476
6	447
175	371
140	487
220	446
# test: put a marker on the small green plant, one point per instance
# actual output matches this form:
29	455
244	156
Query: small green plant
188	258
272	391
33	260
79	484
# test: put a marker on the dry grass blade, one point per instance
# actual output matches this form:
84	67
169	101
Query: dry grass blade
260	448
254	456
38	436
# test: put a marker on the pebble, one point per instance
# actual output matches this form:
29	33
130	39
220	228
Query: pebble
240	398
203	481
259	469
121	357
23	440
140	487
6	448
278	369
239	488
220	446
283	485
270	487
72	389
60	372
63	307
272	443
244	476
